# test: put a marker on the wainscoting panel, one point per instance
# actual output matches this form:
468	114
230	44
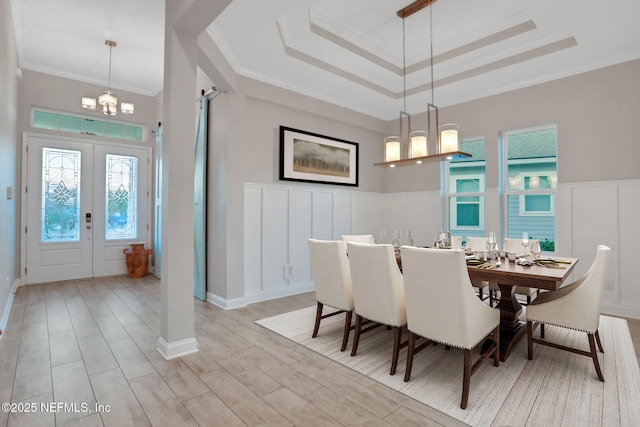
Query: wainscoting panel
279	219
275	229
341	215
322	215
595	222
300	218
629	227
252	240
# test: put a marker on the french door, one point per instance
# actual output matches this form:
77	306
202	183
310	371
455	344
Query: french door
85	202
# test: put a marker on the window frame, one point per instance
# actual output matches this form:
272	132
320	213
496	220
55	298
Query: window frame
507	190
453	207
447	194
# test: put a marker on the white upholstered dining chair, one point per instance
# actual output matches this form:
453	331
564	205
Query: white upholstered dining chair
478	244
442	307
332	279
378	293
358	238
576	306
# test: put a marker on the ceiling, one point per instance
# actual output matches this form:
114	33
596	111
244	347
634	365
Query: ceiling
348	53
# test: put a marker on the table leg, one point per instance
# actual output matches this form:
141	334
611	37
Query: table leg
511	329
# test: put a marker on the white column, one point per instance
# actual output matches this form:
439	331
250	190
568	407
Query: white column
184	21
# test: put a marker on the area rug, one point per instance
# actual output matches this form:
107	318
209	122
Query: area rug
555	388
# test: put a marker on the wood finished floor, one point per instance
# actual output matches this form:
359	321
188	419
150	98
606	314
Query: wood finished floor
94	342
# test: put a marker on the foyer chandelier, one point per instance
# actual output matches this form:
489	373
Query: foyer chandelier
447	137
107	100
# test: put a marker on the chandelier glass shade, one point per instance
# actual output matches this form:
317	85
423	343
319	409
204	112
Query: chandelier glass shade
108	100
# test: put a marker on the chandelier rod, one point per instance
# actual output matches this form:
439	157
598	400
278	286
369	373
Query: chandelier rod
111	45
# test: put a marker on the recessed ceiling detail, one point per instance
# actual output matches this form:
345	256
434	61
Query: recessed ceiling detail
297	48
347	53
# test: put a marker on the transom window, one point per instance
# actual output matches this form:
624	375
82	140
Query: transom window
86	125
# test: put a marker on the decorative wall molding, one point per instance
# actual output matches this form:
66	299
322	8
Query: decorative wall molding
582	223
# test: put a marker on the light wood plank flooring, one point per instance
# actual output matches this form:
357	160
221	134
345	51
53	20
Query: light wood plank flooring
94	342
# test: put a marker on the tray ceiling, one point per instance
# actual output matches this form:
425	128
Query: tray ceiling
348	53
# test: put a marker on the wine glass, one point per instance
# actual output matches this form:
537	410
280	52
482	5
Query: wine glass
492	244
411	241
535	248
382	235
397	235
525	242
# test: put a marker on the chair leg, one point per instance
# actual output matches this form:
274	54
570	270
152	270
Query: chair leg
496	339
466	379
528	299
411	346
397	337
318	317
481	293
356	336
347	329
599	342
594	356
491	298
542	330
530	340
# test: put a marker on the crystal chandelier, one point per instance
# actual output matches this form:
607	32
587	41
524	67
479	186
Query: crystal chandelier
108	100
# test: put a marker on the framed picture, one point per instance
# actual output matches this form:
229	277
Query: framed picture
309	157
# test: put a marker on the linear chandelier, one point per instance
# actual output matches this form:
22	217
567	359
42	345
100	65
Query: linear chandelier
447	137
108	100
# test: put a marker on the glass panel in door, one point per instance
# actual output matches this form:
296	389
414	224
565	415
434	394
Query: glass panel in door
60	216
58	204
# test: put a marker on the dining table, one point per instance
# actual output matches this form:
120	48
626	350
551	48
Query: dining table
547	276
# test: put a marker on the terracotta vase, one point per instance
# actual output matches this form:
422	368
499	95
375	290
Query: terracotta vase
137	258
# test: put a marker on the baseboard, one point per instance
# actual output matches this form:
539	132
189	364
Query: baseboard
270	294
177	349
227	304
620	310
258	296
7	307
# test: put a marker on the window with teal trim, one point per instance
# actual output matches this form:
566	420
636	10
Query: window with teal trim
87	126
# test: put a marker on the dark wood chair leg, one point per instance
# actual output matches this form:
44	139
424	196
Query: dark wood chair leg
530	340
318	317
397	337
496	340
542	330
466	378
481	294
599	342
347	329
356	335
594	356
411	346
491	298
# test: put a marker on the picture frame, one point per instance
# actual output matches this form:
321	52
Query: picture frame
311	157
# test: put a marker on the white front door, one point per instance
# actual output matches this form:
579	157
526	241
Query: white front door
85	202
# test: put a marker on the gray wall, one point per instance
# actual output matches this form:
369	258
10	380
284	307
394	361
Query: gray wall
244	147
9	213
